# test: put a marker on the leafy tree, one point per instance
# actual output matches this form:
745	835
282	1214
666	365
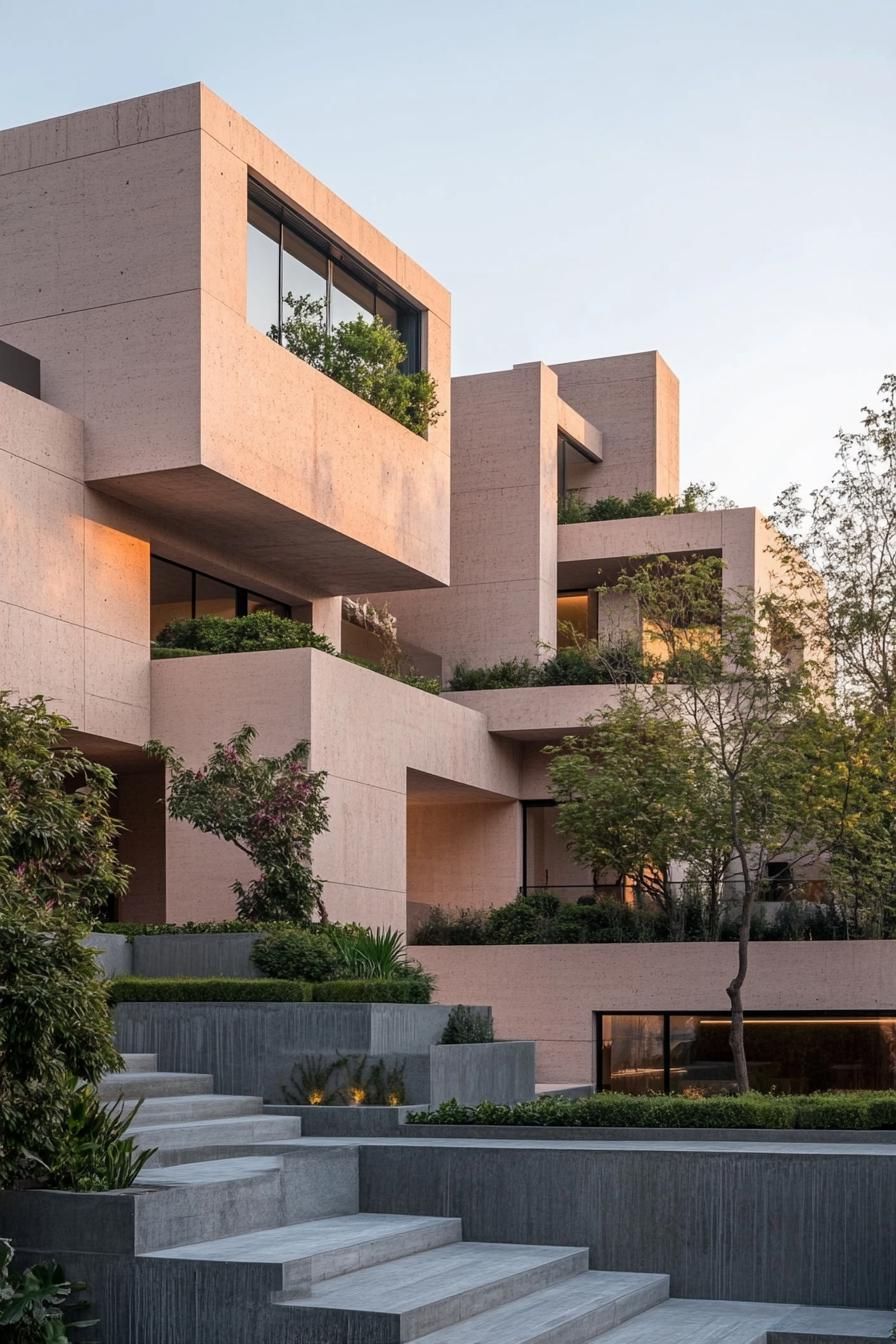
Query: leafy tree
271	808
846	535
57	838
364	356
749	760
55	1026
629	791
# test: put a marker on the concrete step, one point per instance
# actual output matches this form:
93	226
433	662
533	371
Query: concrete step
140	1063
832	1325
570	1312
692	1321
194	1106
322	1248
226	1131
420	1294
133	1085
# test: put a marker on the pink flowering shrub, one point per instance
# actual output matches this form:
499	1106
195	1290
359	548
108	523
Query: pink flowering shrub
270	807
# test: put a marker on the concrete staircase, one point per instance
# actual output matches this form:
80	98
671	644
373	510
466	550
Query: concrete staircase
288	1255
184	1118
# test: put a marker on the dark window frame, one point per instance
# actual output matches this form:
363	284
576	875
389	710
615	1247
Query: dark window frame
825	1015
409	316
242	595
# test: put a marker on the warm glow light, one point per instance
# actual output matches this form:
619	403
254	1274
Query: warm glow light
357	1095
799	1021
394	1099
316	1098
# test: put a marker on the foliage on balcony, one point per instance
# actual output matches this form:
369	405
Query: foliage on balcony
695	498
589	664
364	356
262	630
539	916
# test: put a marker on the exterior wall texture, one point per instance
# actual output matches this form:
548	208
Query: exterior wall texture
549	993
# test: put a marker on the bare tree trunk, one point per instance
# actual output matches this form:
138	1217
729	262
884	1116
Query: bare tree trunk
734	990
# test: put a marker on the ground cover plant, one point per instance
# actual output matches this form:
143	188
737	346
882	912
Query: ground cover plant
749	1110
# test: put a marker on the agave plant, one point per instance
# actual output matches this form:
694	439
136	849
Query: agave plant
368	954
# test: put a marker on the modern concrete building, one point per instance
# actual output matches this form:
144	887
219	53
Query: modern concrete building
161	457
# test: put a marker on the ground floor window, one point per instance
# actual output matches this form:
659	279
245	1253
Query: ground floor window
786	1052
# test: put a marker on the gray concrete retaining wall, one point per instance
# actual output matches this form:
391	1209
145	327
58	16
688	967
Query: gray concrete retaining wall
195	954
347	1121
615	1134
115	953
760	1224
499	1071
251	1048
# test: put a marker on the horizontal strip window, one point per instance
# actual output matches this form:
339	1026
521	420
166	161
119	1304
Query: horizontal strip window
288	256
177	593
787	1052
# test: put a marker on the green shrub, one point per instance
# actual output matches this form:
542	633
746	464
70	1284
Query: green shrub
208	926
431	685
157	653
38	1305
572	508
364	356
368	954
296	954
754	1110
239	634
57	837
452	928
467	1026
54	1023
512	674
211	989
408	989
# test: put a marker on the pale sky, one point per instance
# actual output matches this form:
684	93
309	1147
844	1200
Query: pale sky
712	179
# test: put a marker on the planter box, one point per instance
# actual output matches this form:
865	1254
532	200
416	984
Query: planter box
251	1048
499	1071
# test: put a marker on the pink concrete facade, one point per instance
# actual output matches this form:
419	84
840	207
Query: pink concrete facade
550	994
170	428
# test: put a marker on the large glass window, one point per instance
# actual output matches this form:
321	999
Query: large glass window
574	621
788	1052
286	256
178	593
547	863
263	269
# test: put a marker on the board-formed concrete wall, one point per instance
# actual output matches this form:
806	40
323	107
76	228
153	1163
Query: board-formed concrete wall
115	953
499	1071
201	954
251	1048
768	1223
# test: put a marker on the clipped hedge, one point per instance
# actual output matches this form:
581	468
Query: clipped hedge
212	989
216	989
210	926
407	989
260	630
754	1110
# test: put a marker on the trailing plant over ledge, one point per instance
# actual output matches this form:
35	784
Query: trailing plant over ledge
270	807
364	356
